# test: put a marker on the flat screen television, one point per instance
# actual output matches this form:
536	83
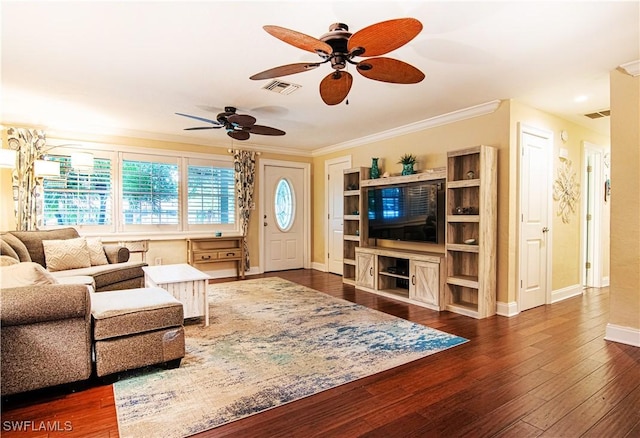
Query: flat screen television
412	212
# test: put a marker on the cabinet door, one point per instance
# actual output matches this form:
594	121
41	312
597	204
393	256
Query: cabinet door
425	282
365	270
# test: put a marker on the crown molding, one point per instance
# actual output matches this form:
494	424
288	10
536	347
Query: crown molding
632	68
443	119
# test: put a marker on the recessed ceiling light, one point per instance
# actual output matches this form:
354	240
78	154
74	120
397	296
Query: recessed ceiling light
581	98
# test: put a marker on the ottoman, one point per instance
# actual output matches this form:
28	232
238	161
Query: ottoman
133	328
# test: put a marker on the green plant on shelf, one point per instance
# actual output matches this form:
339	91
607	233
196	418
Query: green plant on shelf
407	159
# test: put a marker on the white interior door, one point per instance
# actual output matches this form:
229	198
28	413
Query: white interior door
535	196
335	212
594	192
283	218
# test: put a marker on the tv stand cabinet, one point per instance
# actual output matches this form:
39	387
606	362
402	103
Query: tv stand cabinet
408	276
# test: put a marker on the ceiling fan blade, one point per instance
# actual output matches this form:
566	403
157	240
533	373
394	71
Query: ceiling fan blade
239	135
299	40
383	37
202	127
199	118
285	70
241	119
389	70
335	87
265	130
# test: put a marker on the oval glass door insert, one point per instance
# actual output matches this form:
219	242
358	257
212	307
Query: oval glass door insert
284	205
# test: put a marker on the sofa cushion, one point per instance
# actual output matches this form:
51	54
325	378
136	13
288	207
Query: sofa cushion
131	311
35	304
61	255
96	251
12	246
32	240
6	260
25	274
105	275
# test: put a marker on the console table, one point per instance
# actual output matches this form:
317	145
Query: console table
215	250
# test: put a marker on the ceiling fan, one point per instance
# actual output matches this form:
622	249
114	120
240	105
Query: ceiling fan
339	46
238	126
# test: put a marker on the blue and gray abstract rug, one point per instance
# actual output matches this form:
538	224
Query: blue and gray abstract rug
270	342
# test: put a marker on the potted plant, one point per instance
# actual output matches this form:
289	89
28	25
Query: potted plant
407	161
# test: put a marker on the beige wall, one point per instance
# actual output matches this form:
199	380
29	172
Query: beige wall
625	201
566	250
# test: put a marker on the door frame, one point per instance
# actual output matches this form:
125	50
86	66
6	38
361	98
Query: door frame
594	197
548	135
344	159
306	207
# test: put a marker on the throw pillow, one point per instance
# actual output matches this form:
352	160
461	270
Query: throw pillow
7	261
96	251
25	274
64	254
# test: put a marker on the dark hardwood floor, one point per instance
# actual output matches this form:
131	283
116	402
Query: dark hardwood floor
546	372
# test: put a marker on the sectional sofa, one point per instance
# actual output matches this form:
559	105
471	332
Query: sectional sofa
111	271
83	315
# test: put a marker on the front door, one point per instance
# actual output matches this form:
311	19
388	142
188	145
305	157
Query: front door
535	239
283	220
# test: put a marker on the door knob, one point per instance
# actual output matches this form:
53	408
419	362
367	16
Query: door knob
545	229
265	224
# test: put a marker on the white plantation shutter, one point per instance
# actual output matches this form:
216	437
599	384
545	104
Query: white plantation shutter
211	197
77	197
139	192
150	188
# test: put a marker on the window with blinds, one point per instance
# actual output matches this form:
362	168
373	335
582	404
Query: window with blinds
127	191
211	195
150	192
78	197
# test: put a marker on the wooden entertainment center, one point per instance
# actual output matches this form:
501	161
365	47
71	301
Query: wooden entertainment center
459	275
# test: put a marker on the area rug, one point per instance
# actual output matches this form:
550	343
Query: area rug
269	342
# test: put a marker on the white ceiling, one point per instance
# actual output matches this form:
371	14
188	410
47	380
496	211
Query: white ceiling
125	67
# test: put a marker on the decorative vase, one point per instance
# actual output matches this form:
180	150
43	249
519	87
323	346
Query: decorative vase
407	169
375	170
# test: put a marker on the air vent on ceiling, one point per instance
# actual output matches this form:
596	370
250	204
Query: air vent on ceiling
281	87
599	114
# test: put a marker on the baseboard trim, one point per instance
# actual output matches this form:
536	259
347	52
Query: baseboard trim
566	293
623	335
319	266
228	273
507	309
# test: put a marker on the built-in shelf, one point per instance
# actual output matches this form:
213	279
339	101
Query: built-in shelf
409	276
352	220
470	286
428	175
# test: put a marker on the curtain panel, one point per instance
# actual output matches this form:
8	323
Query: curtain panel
245	172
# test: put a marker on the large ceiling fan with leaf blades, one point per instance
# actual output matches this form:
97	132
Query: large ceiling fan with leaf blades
340	47
238	126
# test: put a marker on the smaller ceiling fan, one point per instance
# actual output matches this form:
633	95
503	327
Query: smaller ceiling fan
238	126
340	47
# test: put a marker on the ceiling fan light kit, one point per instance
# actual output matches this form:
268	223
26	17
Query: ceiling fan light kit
339	47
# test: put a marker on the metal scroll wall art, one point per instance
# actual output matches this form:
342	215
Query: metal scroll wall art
566	190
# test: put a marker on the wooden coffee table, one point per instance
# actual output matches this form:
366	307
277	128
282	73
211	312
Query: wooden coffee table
184	282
